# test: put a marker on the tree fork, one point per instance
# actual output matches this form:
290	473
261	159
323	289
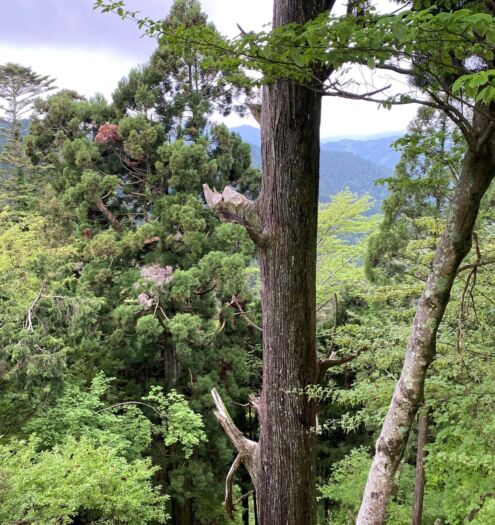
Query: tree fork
248	450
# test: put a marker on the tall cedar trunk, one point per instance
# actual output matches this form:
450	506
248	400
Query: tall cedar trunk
419	487
288	206
453	246
283	223
290	124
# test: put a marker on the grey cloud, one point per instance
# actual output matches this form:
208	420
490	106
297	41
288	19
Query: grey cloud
73	23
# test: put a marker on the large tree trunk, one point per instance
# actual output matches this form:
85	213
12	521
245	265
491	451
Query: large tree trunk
453	246
290	124
283	223
419	486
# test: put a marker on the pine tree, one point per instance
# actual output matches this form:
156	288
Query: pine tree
19	87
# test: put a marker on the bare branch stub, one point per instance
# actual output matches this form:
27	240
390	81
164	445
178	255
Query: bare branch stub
231	206
255	110
255	402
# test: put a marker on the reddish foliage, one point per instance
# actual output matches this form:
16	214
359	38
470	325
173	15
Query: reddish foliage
107	134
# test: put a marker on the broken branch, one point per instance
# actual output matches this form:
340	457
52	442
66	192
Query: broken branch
231	206
247	449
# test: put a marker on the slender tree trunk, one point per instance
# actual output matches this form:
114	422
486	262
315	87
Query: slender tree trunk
453	246
245	511
419	487
255	509
182	513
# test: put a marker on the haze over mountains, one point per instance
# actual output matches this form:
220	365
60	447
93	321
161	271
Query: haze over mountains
345	163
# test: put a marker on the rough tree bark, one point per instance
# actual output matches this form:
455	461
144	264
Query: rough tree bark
453	246
283	223
419	486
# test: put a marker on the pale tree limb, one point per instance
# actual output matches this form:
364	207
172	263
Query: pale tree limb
454	244
247	450
231	206
103	208
229	504
235	302
28	324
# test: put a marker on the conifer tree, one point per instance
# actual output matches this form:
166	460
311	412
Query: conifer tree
19	87
171	305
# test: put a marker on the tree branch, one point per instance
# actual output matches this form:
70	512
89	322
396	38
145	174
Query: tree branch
102	207
332	361
247	449
235	302
231	206
229	504
28	324
476	264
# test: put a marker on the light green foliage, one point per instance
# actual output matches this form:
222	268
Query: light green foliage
343	230
179	423
346	486
459	389
82	413
76	478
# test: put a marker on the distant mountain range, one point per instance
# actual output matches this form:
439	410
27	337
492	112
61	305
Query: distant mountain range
346	163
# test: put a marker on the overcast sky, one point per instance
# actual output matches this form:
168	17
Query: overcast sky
89	52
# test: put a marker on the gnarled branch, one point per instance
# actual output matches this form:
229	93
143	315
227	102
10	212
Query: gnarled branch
231	206
247	449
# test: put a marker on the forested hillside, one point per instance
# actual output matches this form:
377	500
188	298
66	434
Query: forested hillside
353	165
187	340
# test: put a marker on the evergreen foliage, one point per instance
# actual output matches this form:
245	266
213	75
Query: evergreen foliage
124	300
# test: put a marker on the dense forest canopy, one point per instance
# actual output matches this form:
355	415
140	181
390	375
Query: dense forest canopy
188	339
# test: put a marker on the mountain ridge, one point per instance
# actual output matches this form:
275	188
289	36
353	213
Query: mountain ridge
344	164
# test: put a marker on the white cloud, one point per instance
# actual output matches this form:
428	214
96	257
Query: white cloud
85	71
90	70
